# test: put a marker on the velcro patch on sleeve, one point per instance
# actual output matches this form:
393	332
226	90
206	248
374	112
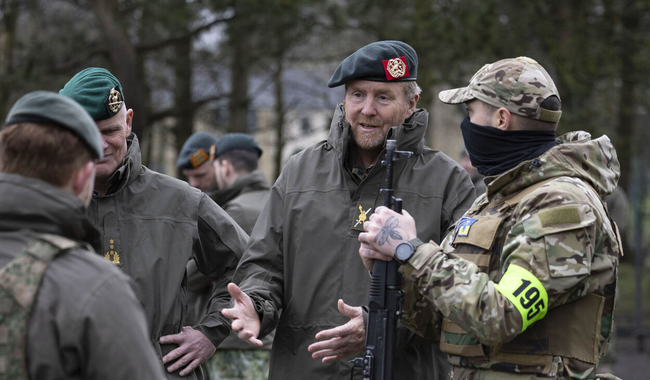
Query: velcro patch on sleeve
560	215
526	292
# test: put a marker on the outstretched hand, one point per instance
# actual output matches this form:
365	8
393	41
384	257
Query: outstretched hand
385	229
341	341
244	317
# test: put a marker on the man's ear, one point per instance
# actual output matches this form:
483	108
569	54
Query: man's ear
502	119
129	121
412	103
81	178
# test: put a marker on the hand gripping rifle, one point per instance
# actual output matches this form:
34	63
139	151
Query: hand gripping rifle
385	299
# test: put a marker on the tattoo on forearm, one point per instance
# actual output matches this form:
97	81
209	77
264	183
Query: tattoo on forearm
388	230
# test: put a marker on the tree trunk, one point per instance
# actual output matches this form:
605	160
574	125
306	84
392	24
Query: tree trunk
7	40
124	61
240	68
627	98
279	112
183	92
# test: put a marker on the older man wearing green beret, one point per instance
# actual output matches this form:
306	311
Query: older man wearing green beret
301	272
151	225
66	312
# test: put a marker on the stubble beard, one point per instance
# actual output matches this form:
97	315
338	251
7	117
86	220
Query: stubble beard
371	140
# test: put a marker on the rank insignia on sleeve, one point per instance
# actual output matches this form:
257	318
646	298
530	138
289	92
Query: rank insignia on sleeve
396	68
361	215
463	226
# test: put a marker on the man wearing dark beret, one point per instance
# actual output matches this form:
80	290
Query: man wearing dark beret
302	264
66	312
242	193
195	161
151	225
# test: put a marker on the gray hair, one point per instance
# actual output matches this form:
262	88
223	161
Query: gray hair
411	89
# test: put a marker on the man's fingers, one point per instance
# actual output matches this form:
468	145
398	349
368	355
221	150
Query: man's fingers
336	332
348	310
253	341
406	213
325	345
173	355
173	338
230	313
190	368
235	292
331	359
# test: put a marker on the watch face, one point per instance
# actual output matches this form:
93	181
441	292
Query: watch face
403	251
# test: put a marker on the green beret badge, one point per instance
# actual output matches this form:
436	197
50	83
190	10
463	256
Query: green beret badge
114	101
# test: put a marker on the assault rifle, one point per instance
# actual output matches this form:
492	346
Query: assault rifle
385	298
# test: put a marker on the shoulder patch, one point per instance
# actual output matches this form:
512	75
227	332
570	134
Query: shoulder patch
558	219
560	215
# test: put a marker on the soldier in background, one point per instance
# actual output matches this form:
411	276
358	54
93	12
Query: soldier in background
195	160
243	192
524	286
67	313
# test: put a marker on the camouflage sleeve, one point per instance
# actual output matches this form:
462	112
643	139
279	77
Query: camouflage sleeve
546	261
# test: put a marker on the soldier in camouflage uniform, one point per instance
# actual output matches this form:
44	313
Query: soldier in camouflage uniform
523	285
65	312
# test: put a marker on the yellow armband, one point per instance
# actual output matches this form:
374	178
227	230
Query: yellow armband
525	291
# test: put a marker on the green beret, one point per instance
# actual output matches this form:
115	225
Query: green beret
239	141
45	107
197	149
97	90
381	61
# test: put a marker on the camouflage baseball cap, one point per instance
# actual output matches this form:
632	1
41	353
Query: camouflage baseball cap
518	84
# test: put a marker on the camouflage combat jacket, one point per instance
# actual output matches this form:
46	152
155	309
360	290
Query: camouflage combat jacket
525	281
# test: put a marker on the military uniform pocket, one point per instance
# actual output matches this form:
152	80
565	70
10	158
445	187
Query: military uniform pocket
565	238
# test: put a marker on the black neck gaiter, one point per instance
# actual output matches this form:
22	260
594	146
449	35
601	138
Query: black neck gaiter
493	151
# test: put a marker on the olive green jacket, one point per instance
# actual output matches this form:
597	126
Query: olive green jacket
243	201
86	322
303	254
151	225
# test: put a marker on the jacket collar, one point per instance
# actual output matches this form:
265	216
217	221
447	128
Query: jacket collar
130	168
577	155
409	135
32	204
246	183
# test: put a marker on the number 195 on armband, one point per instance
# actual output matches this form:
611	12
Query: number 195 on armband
526	292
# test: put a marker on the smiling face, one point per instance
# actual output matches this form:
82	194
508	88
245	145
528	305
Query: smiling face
372	108
114	132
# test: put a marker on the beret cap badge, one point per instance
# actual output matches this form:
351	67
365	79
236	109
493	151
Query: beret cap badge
395	68
114	101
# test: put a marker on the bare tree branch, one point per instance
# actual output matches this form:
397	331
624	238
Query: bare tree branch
172	40
156	116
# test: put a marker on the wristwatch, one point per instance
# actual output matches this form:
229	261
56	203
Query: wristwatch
406	249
